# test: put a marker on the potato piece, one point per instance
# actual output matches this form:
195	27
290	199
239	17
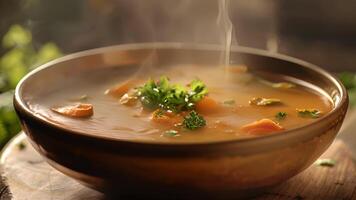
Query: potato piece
258	101
128	99
207	106
122	89
80	110
261	127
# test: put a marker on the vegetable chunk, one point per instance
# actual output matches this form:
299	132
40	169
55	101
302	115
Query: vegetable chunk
258	101
166	118
207	106
261	127
194	121
309	113
122	89
80	110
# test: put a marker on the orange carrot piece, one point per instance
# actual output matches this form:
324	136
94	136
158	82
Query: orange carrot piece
207	106
78	110
261	127
122	89
166	118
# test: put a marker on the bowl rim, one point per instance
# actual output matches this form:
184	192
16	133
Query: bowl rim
20	105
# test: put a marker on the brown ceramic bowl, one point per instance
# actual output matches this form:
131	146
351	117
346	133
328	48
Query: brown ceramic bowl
214	168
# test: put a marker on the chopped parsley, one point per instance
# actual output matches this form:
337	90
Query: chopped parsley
326	162
173	97
258	101
309	113
229	102
348	79
193	121
21	146
171	133
281	116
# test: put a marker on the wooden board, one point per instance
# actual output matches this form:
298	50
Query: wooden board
28	176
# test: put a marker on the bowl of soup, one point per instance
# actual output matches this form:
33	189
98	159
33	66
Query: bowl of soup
166	118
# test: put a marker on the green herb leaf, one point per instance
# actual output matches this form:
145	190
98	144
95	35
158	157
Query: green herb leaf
264	101
193	121
171	133
326	162
229	102
21	146
197	90
150	95
173	97
309	113
281	116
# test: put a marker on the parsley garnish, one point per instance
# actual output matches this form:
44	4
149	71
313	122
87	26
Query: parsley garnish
171	133
21	146
281	116
311	113
258	101
164	95
193	121
326	162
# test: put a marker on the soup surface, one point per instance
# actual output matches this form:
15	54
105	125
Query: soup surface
234	104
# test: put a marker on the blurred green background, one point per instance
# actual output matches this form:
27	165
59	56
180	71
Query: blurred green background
19	57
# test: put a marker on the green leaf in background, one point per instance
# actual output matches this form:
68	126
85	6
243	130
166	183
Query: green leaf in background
349	81
47	52
8	119
3	134
3	82
13	66
352	97
19	58
17	36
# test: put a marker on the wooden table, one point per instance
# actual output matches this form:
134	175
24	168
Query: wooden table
28	177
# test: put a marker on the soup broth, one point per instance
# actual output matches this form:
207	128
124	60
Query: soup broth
244	105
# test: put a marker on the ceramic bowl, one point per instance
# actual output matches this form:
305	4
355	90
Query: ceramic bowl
226	168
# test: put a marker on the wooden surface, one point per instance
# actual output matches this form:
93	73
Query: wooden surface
27	176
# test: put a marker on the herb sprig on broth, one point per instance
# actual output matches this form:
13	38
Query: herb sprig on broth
171	97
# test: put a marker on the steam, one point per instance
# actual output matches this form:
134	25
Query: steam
186	21
227	29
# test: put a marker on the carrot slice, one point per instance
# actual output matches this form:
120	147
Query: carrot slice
122	89
262	126
166	118
77	110
207	105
